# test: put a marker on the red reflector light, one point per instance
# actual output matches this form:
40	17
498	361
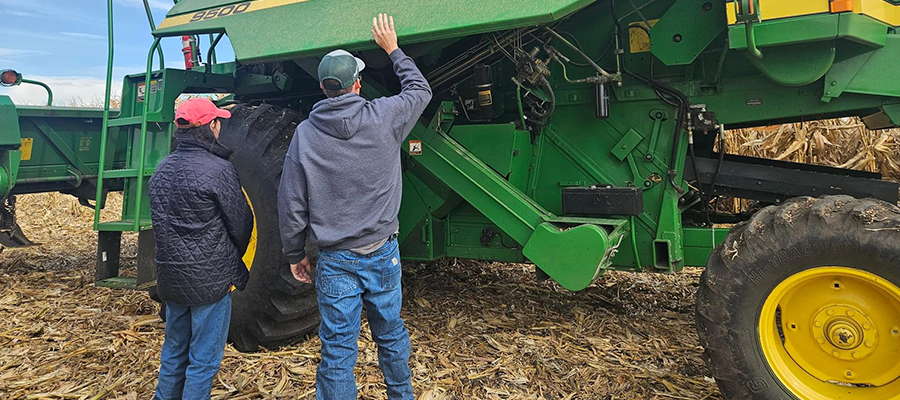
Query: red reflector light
9	77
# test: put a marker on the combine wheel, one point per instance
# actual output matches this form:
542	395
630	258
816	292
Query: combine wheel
803	302
274	309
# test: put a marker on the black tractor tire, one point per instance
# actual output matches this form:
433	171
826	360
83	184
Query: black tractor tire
775	244
274	309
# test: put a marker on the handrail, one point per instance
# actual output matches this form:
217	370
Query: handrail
162	62
105	127
142	158
44	85
209	58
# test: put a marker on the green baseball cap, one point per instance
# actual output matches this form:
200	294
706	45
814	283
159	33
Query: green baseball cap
339	69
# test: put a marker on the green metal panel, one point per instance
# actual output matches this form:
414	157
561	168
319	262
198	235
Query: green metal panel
62	151
501	146
877	75
699	244
284	29
686	30
812	28
781	66
9	120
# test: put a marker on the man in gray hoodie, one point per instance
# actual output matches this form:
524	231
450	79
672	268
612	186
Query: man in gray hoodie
342	185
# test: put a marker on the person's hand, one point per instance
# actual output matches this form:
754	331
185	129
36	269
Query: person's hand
384	33
300	271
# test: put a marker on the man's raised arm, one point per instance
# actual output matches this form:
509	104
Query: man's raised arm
415	92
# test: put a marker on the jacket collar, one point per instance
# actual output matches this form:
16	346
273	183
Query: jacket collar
191	143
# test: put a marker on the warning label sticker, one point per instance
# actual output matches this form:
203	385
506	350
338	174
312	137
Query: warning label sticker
415	147
155	86
27	144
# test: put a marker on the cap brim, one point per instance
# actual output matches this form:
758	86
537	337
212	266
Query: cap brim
360	65
223	113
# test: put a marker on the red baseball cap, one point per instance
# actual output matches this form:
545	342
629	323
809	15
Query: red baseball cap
198	112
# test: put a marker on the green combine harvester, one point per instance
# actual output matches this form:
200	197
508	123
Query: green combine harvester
577	135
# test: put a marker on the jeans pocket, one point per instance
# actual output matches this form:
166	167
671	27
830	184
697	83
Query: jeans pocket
336	285
391	272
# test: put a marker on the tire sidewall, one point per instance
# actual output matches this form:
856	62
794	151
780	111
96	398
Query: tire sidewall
760	275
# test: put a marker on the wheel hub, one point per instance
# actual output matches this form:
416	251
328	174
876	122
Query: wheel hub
829	332
844	332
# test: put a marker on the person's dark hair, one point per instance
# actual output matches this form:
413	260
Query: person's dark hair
202	133
335	93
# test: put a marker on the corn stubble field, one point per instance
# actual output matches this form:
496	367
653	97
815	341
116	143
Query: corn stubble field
479	330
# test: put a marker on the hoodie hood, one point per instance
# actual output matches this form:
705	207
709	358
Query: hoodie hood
339	117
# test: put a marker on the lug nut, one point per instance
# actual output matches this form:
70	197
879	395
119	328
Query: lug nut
869	343
850	313
855	354
866	326
836	353
829	312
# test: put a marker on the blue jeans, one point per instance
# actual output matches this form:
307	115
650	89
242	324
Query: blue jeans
345	281
192	352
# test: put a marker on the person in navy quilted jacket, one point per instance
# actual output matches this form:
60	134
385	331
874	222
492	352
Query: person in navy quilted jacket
202	225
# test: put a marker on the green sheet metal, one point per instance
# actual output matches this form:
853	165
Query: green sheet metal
267	30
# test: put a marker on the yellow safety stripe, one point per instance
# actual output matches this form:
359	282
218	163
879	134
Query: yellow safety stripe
224	11
880	10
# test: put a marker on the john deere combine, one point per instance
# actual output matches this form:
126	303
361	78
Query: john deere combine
577	135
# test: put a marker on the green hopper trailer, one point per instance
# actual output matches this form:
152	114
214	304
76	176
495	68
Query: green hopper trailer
577	135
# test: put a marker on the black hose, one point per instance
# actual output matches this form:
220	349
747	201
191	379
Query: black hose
597	60
683	102
548	111
704	200
712	186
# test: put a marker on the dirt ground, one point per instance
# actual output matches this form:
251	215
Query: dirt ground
478	330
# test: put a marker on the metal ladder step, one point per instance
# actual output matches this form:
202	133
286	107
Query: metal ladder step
126	173
127	121
122	226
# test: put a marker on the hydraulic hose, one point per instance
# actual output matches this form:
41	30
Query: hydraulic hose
712	186
683	103
549	111
601	71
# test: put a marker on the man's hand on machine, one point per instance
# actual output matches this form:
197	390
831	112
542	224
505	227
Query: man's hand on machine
384	33
300	271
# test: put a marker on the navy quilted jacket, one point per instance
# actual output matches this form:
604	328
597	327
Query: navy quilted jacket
201	222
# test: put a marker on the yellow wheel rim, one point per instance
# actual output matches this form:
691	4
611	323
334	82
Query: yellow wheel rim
834	333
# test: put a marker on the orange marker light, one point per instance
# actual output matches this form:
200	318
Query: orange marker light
839	6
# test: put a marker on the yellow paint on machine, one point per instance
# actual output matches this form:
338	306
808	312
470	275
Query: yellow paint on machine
638	39
225	11
880	10
775	9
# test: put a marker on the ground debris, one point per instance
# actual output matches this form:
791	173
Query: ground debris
479	331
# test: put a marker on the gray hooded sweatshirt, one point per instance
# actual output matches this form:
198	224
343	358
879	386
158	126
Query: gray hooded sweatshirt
342	177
